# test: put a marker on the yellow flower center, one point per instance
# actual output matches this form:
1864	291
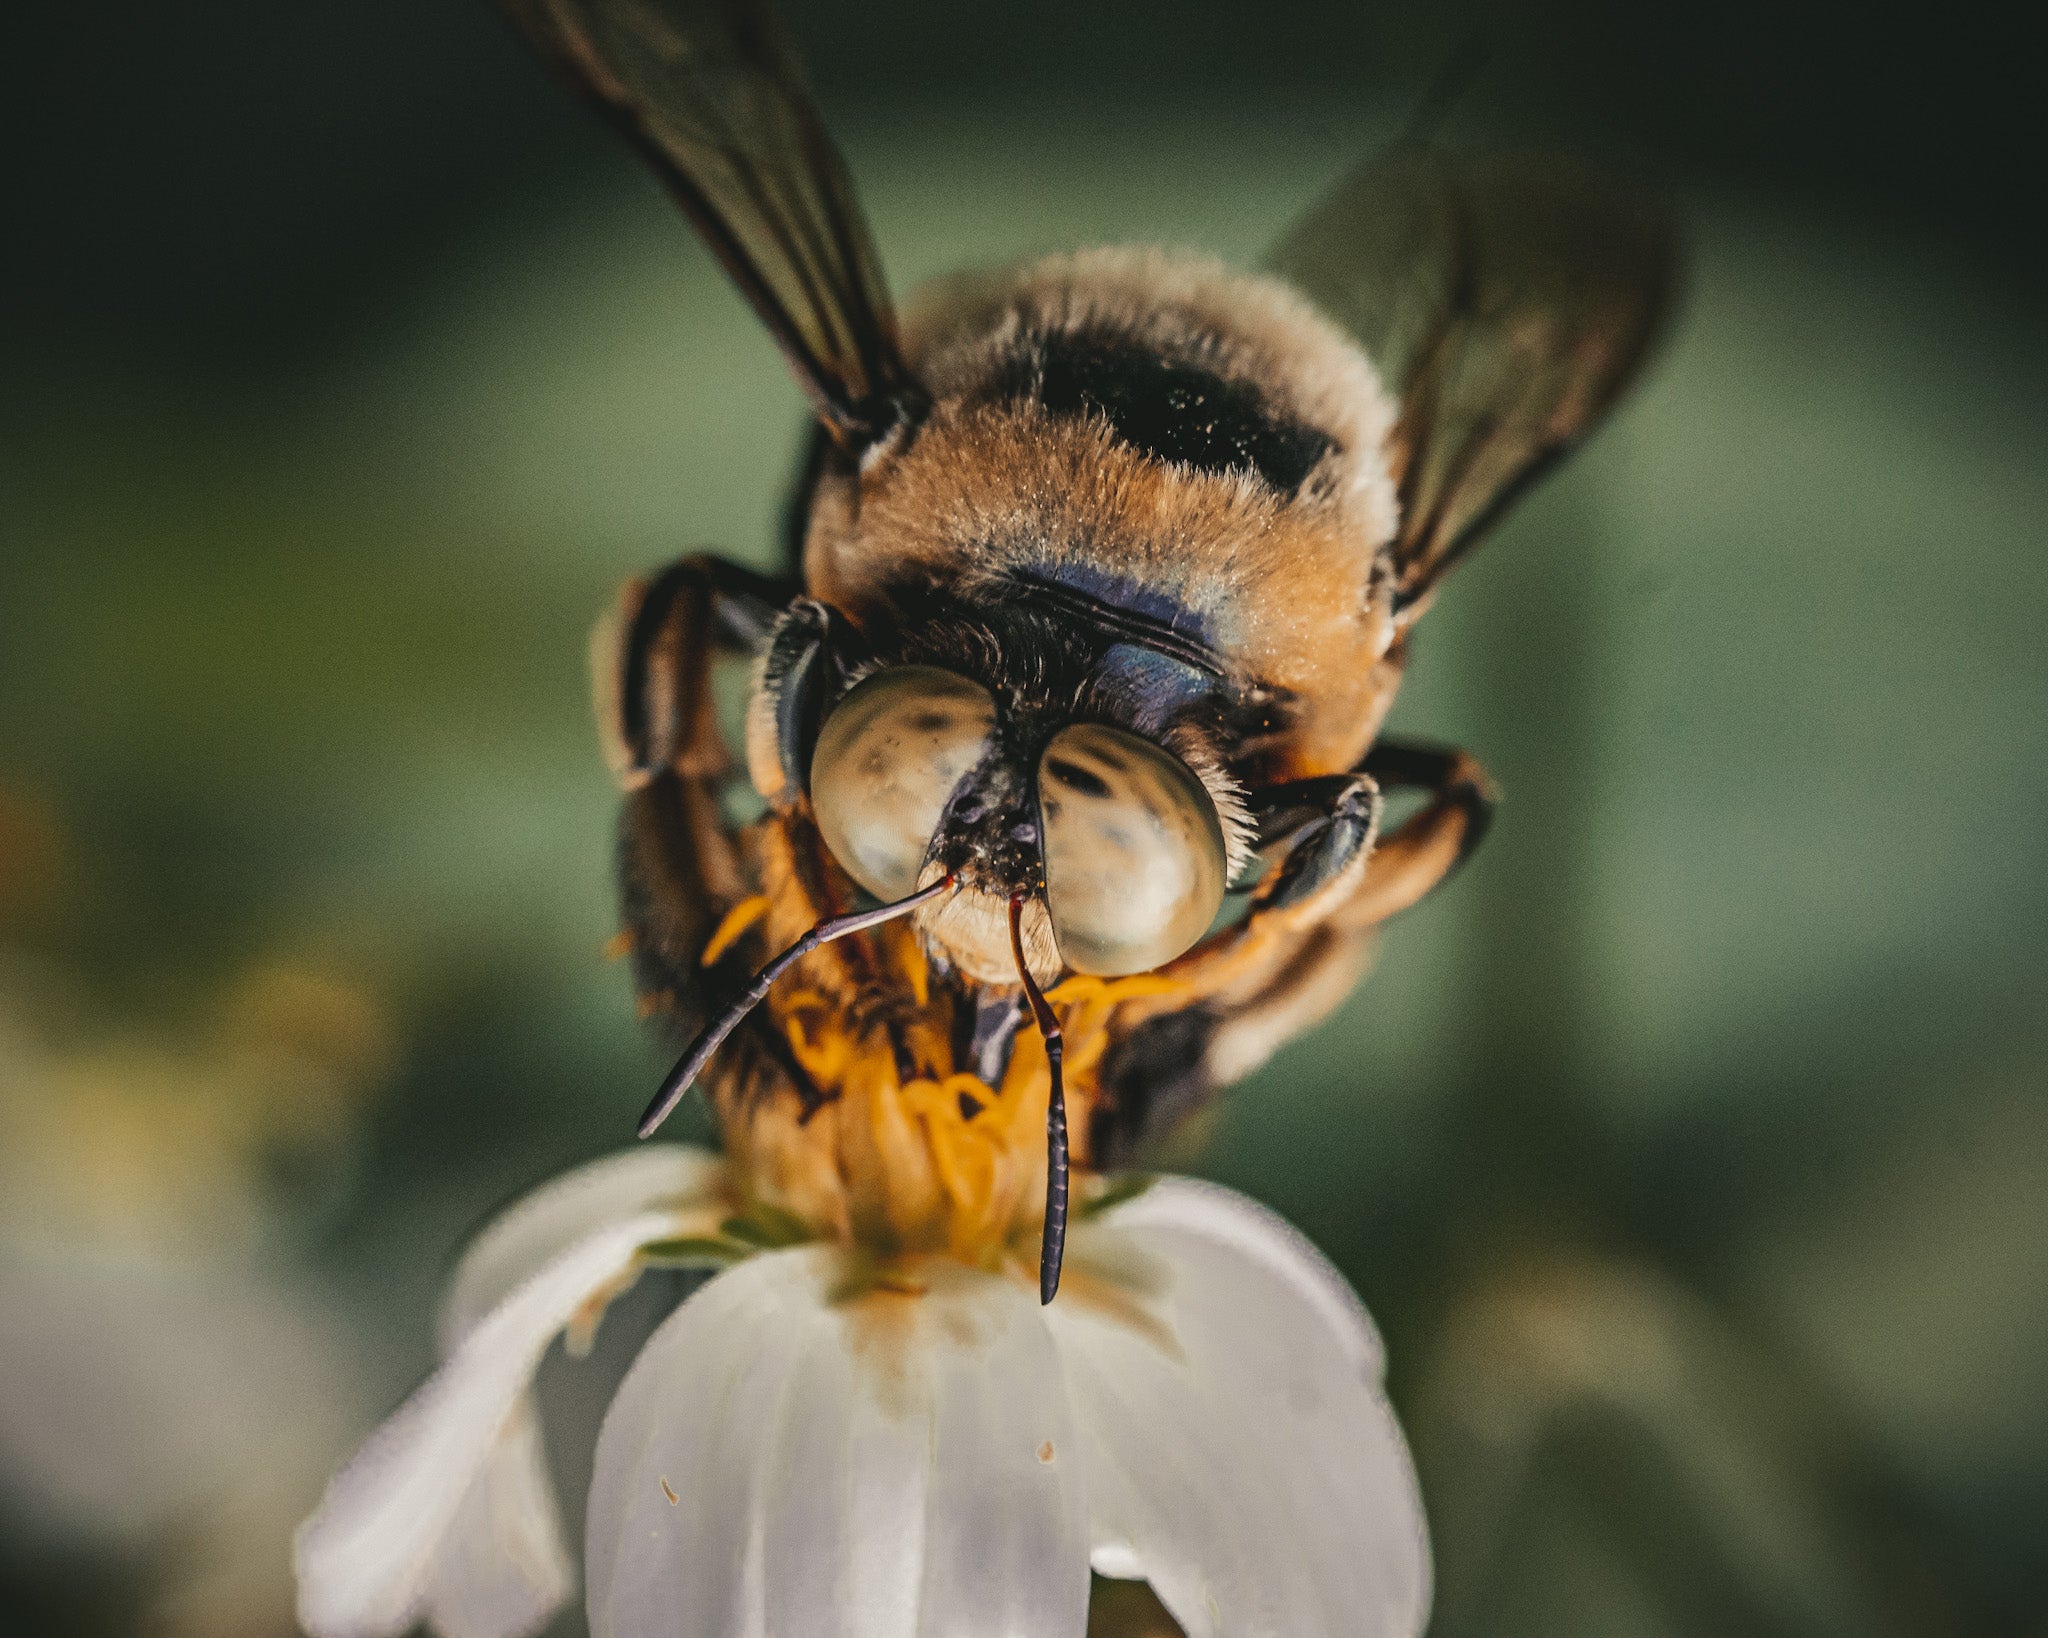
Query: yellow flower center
894	1145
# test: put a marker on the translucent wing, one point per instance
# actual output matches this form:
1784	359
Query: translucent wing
1507	302
710	93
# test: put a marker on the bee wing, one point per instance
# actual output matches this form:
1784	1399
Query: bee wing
710	93
1506	301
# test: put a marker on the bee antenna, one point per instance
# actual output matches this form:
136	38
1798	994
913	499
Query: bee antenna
691	1064
1053	1244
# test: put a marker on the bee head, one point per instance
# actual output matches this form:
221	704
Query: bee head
1116	844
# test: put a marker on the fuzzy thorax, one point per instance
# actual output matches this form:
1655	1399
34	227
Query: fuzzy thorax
1290	583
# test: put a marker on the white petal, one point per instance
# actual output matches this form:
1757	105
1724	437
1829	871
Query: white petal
895	1466
1262	1236
1242	1456
365	1556
503	1569
691	1422
1006	1514
560	1212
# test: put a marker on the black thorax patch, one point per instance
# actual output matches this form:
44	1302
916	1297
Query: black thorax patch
1161	406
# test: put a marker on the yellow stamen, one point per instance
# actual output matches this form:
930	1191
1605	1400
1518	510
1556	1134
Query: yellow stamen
737	920
910	958
1080	987
964	1154
826	1059
879	1151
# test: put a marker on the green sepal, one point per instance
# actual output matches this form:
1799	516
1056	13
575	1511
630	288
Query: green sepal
767	1228
697	1251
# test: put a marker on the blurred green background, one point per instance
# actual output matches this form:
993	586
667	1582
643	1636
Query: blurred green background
1691	1147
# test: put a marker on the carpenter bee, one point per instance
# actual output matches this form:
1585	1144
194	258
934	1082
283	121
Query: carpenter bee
1100	583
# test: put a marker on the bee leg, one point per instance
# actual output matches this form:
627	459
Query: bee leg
1333	822
651	663
679	866
1423	850
1328	819
1306	941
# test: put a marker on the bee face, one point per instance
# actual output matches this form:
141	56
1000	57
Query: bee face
919	774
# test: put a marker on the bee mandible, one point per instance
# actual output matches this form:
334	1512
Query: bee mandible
1101	579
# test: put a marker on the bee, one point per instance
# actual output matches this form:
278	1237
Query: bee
1066	709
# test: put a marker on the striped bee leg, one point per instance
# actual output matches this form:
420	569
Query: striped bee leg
1332	823
651	659
1339	861
1424	849
680	870
1238	995
1303	947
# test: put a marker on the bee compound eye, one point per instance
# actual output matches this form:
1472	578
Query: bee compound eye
1133	851
889	758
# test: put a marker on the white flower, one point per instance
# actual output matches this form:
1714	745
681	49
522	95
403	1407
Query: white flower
819	1444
